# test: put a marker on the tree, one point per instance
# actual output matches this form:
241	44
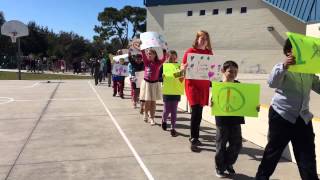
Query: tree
115	24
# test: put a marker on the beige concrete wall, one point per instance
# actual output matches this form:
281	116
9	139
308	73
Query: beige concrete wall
313	30
241	37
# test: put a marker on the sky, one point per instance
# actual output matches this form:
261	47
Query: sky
79	16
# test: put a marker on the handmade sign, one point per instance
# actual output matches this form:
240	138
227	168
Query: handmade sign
235	99
135	47
203	67
124	56
306	50
151	40
120	70
172	85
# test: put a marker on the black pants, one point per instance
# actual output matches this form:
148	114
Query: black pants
226	156
196	116
279	135
96	78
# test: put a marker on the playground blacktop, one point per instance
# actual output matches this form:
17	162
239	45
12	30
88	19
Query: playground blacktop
71	129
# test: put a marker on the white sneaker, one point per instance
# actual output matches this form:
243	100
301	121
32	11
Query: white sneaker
152	122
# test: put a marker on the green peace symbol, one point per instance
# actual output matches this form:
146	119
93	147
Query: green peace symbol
230	99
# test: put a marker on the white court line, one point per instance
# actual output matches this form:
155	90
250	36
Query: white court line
32	86
63	99
23	87
136	155
10	100
7	100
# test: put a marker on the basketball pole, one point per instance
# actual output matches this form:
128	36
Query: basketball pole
19	58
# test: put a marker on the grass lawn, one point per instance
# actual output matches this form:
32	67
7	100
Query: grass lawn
30	76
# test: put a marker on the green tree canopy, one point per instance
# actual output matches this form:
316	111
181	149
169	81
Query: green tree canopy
115	24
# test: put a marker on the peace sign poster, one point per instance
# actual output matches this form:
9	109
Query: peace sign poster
235	99
306	50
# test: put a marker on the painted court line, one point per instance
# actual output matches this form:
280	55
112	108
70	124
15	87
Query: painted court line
5	100
136	155
23	87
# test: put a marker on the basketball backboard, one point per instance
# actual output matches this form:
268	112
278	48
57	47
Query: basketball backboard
14	29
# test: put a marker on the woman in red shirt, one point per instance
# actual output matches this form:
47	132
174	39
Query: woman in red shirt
197	91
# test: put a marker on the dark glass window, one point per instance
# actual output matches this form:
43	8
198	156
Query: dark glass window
202	12
243	10
189	13
229	11
215	11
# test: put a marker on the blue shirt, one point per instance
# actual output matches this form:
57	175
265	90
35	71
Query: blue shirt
292	93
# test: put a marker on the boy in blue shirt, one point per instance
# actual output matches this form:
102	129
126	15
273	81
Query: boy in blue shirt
290	119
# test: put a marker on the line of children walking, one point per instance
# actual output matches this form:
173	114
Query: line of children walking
287	121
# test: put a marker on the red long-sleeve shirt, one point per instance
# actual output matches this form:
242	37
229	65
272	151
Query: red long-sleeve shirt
197	91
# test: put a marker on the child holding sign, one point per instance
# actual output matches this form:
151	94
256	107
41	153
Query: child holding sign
118	82
170	102
135	65
290	119
228	130
197	91
150	87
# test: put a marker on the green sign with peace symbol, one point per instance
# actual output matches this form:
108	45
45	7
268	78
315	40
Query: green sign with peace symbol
235	99
230	99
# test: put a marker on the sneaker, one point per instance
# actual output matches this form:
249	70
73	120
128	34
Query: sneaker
220	174
173	133
194	148
152	122
164	126
230	170
195	141
145	119
121	96
114	94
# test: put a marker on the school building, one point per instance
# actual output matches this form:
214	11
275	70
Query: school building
251	32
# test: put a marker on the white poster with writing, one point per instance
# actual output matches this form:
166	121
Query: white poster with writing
151	40
203	67
124	56
120	70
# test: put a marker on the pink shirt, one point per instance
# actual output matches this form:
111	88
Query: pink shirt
152	68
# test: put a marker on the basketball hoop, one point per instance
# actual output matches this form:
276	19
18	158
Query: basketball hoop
14	29
13	37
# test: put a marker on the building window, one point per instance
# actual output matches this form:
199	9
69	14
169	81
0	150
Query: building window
215	11
229	11
202	12
189	13
243	10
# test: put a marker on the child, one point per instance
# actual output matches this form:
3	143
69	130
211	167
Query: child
197	91
290	119
228	130
135	65
150	87
118	82
170	103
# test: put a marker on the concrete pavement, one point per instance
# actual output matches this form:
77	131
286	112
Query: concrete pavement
61	130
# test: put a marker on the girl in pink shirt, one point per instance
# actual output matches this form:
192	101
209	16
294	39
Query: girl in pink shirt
150	87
